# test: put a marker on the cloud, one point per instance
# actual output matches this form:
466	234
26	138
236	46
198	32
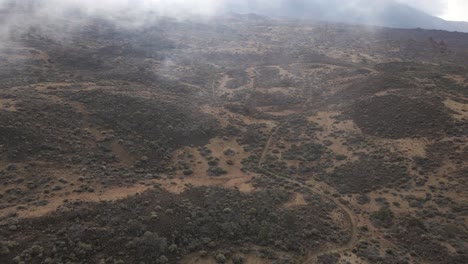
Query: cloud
184	8
93	7
457	10
27	13
433	7
140	12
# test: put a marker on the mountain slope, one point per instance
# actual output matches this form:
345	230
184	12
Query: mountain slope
381	13
387	13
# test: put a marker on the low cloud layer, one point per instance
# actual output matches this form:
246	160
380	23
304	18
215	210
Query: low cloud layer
457	10
140	12
107	7
433	7
183	8
447	9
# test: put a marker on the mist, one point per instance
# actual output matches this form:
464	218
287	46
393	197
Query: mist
343	10
311	9
69	14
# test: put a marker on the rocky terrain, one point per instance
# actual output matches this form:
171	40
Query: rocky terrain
236	140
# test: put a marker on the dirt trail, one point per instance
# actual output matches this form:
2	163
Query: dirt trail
350	215
312	258
267	146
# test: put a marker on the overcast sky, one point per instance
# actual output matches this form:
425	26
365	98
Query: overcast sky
447	9
456	10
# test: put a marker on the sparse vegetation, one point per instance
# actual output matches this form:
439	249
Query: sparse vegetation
245	140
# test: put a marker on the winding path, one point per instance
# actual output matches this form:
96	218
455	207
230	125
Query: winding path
350	215
267	145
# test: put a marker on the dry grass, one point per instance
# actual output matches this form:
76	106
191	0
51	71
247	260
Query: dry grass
460	109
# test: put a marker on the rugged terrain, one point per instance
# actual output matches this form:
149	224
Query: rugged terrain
237	140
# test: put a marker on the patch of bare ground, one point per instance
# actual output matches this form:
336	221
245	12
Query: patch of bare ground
50	87
408	147
334	132
458	79
272	111
459	108
297	200
68	193
222	86
225	117
284	73
124	158
56	202
7	104
17	55
40	188
228	155
387	92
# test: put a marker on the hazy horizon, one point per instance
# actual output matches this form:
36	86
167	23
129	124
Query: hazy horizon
451	10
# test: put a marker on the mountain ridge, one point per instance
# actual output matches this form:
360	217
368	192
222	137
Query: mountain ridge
384	13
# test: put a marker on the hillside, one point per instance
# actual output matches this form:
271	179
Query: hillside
385	13
240	139
365	12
